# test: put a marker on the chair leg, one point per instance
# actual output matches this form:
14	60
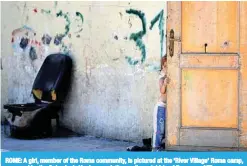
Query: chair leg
49	129
57	122
5	125
7	128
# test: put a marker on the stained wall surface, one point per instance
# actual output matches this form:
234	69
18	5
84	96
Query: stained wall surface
116	48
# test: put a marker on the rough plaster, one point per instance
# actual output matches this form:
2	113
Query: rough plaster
110	97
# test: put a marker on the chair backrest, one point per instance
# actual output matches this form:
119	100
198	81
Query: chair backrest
53	79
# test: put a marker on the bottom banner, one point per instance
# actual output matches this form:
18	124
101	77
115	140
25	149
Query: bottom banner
123	158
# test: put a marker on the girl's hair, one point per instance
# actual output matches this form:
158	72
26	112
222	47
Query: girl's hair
163	60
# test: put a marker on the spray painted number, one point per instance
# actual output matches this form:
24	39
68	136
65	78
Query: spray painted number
137	37
159	17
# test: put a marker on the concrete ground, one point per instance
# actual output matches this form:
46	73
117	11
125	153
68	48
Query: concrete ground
63	140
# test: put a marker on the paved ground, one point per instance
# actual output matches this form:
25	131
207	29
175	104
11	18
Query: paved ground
64	140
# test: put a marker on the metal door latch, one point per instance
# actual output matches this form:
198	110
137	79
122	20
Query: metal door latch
171	42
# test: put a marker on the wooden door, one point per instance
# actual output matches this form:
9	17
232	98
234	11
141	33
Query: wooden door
207	57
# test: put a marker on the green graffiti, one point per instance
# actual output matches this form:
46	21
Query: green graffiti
66	17
131	61
153	67
65	49
161	28
141	15
45	11
137	37
78	14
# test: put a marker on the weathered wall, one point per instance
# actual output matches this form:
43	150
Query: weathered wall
116	47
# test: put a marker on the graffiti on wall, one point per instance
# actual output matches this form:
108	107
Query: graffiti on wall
137	37
24	39
28	41
58	39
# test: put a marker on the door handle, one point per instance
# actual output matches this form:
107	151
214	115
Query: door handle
171	42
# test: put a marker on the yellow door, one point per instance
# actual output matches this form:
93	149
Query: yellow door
207	64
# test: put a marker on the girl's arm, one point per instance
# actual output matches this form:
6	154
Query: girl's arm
163	84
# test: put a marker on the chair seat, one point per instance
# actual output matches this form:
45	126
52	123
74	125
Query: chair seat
23	107
49	90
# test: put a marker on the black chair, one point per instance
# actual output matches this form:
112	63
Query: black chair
49	90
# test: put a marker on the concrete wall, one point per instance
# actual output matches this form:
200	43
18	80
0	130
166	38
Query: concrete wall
115	78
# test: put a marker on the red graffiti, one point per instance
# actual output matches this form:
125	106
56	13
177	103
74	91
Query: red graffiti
16	31
35	42
35	10
22	30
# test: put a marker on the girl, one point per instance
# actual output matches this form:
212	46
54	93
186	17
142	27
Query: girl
160	109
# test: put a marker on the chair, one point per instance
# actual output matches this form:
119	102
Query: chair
49	90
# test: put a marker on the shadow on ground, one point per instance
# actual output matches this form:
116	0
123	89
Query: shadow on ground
63	140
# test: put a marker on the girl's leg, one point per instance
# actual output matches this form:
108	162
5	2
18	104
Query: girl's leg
158	126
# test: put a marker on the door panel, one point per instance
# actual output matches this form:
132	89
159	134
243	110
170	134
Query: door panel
214	23
221	138
229	61
205	95
209	98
